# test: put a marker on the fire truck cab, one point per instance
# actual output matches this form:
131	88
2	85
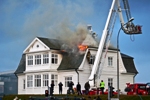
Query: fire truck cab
136	89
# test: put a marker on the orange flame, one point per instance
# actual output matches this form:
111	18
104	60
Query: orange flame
82	47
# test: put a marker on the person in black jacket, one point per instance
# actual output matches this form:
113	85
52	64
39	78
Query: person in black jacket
52	88
60	87
71	87
78	87
87	87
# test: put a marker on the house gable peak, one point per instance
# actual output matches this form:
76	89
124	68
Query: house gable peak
36	45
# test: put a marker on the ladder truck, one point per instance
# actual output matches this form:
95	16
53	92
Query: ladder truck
128	28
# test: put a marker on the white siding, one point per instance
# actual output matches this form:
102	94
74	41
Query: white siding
20	84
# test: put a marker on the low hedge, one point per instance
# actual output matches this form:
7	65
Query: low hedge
75	97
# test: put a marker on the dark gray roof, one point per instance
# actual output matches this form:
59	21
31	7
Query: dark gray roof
22	64
71	61
129	63
52	43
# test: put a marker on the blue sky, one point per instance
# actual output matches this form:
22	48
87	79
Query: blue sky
22	20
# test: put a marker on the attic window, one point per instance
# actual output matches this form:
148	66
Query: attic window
37	46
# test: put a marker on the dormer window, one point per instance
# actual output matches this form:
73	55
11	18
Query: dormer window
30	60
37	59
45	58
54	58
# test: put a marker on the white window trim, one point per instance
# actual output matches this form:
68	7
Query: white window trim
41	59
44	58
67	80
35	85
55	80
112	61
30	80
111	81
55	58
43	80
24	84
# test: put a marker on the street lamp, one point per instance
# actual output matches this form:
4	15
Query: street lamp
118	90
118	63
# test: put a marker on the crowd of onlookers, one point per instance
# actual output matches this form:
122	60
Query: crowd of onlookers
72	90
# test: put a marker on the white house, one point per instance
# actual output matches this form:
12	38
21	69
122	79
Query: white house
45	60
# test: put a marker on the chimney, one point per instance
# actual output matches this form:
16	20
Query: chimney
89	27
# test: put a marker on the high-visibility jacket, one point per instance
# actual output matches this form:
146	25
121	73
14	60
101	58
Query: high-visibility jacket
102	84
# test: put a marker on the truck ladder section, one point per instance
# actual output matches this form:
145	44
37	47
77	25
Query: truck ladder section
101	64
102	43
128	28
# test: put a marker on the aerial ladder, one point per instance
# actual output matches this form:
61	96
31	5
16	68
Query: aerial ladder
128	28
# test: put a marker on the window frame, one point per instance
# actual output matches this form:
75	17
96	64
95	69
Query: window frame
67	80
54	77
37	80
46	58
92	59
29	81
45	80
110	81
24	84
30	60
37	59
110	61
54	58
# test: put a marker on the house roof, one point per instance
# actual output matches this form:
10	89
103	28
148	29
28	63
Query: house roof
73	61
129	63
22	64
70	61
52	43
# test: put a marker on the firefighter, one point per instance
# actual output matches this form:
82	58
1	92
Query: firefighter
102	86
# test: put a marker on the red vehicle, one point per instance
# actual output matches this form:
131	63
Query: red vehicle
136	89
97	91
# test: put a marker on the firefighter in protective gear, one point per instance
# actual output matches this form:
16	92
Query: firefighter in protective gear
102	86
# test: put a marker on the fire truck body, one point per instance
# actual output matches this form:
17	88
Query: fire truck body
136	89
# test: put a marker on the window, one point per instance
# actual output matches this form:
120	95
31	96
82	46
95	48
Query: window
110	81
37	59
54	78
45	80
37	80
92	59
54	59
110	61
30	60
24	84
45	58
67	80
29	81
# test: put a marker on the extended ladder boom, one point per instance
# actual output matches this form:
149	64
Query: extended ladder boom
101	45
128	28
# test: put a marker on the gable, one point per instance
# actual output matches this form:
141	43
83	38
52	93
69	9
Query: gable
36	45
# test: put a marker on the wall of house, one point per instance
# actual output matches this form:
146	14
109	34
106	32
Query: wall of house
41	90
111	72
21	77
